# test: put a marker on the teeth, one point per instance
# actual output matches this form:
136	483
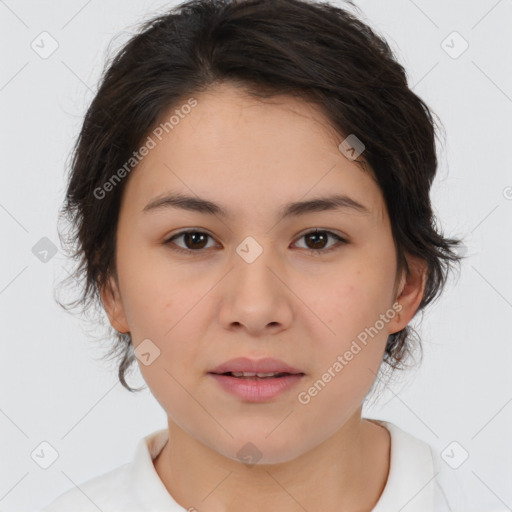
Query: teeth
253	374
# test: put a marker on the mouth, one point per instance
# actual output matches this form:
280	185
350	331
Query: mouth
253	380
257	376
256	387
242	367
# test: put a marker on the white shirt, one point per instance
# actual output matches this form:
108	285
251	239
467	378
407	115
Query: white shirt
418	481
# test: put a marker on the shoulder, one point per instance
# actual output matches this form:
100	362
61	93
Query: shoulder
418	477
132	487
107	491
421	479
458	486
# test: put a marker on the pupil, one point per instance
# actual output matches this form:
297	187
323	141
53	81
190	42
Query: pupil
192	236
318	235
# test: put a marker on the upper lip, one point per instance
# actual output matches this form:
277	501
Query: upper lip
265	365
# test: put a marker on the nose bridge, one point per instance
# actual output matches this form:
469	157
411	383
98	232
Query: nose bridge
254	261
254	294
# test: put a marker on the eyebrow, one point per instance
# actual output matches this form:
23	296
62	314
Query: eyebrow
294	209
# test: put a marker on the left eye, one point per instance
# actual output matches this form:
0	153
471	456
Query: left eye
319	237
195	241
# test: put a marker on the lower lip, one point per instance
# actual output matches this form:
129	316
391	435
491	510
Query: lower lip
257	390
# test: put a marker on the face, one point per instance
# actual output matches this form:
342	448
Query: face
246	282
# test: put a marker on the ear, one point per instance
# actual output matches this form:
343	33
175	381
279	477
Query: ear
410	292
113	305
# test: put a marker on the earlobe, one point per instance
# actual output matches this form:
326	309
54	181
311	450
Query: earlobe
111	299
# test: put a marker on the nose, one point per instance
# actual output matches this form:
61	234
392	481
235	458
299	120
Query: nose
254	295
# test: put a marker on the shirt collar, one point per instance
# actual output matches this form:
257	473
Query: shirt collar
145	481
411	479
409	485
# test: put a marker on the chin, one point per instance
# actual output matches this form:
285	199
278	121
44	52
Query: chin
259	449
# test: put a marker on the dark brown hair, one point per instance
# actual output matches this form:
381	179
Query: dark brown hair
316	51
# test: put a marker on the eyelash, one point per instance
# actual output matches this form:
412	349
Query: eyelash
311	251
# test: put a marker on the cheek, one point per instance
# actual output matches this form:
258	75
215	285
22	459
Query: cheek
349	302
349	357
350	305
150	291
167	309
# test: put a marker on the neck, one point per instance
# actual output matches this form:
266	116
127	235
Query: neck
348	471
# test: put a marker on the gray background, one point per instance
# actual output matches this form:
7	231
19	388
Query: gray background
53	388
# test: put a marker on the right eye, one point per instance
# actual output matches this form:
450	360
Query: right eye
194	241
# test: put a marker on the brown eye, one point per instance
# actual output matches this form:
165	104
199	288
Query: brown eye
194	241
317	240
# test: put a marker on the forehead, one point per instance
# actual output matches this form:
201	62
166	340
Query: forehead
258	153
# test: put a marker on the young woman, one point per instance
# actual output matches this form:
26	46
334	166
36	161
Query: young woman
249	198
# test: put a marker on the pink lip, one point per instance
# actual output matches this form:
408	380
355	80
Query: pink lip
253	390
265	365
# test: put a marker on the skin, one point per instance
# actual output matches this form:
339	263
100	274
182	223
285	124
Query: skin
201	309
